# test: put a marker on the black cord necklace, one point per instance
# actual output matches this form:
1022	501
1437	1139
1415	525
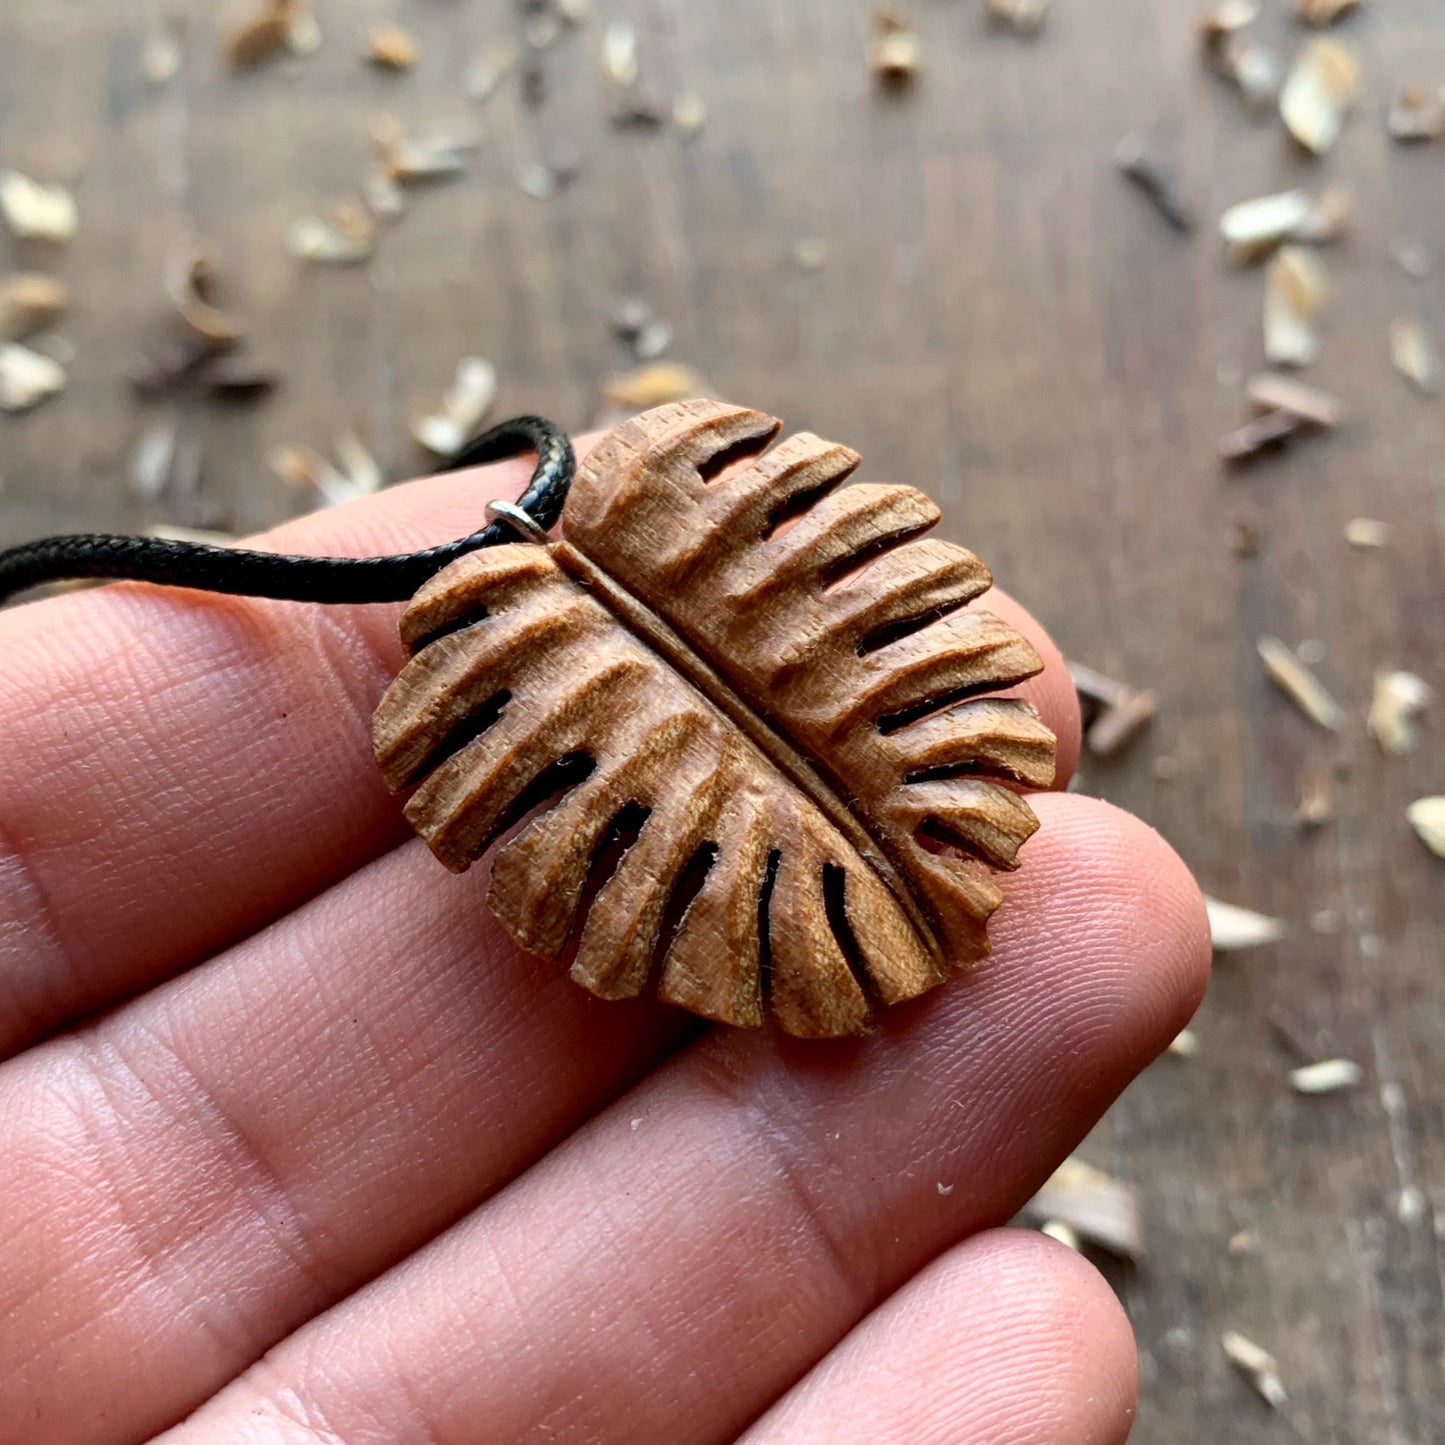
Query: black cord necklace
311	579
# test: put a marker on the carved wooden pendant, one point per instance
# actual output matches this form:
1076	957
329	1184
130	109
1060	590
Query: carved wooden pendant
743	711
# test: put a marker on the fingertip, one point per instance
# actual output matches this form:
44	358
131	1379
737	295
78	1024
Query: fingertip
1097	873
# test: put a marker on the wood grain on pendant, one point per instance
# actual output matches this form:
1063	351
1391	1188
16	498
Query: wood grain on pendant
743	709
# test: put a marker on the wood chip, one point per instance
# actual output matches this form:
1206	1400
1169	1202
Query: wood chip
361	468
1066	1234
28	303
161	56
27	377
268	33
1255	228
1100	1209
1117	727
619	53
1245	443
542	29
1306	690
1415	356
419	160
189	277
392	48
1184	1044
1398	699
1226	18
152	460
1323	12
1157	180
689	112
383	196
1269	391
655	385
309	470
1257	1365
1294	290
463	408
1321	89
1427	818
1367	532
346	238
896	54
493	63
1232	928
1023	17
37	212
652	340
1329	217
1416	114
1098	688
1328	1077
1317	798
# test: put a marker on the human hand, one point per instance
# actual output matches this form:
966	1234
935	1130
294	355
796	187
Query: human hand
333	1162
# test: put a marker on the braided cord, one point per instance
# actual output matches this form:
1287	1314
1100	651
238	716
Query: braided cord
303	579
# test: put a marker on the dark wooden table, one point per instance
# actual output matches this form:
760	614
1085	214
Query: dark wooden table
1000	320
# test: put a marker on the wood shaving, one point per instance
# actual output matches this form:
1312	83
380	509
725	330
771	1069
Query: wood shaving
1317	798
346	238
419	160
1226	18
206	536
36	212
896	53
1257	1365
1023	17
361	468
1398	699
1100	1209
189	276
27	377
392	48
652	340
281	25
1427	818
489	69
1367	532
310	471
1415	356
1321	89
383	196
543	181
1066	1234
1329	217
1184	1044
1254	228
28	303
152	461
1416	114
619	53
1323	12
161	56
462	410
811	253
655	385
1328	1077
1247	63
1269	391
1294	290
1232	928
1158	181
1117	727
1302	686
689	112
1245	443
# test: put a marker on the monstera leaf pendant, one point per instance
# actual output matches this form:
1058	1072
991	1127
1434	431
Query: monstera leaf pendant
741	712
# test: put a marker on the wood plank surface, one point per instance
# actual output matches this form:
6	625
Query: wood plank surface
1001	320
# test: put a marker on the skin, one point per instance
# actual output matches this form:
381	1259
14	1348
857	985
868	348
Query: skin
298	1150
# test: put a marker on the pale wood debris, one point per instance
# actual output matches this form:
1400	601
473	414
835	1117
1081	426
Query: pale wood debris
391	48
1427	818
1319	92
1398	699
1415	356
1302	686
38	212
29	302
1269	391
1368	533
1232	928
1324	12
1023	17
1100	1209
896	53
1417	113
27	377
1257	1365
465	406
1329	1076
1295	289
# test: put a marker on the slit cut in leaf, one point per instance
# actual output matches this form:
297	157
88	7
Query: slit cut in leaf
747	731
